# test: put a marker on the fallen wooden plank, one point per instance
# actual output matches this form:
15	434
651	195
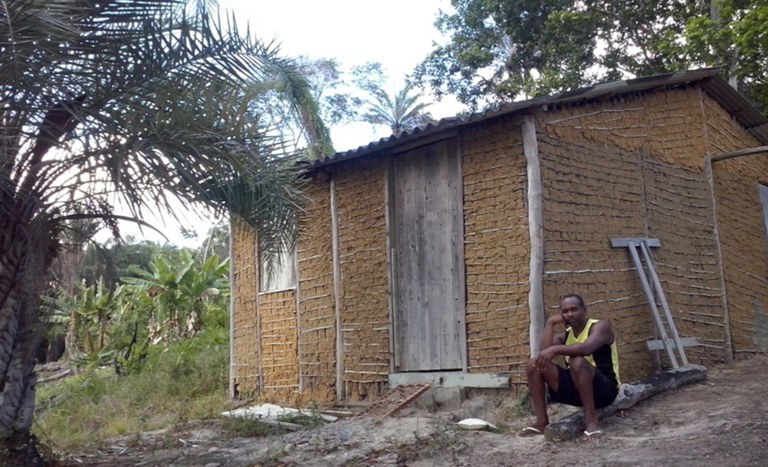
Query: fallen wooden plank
54	377
394	400
572	426
280	424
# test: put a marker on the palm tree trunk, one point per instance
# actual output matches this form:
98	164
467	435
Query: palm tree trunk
26	251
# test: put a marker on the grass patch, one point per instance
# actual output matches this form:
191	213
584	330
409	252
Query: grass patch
186	381
524	406
445	438
249	427
307	420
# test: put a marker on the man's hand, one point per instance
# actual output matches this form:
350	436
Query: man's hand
556	319
545	356
550	338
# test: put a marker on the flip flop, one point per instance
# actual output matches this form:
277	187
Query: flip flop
530	431
592	435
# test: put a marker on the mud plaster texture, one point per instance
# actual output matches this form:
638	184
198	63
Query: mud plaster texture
631	166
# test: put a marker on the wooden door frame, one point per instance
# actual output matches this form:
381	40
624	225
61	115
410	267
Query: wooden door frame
391	243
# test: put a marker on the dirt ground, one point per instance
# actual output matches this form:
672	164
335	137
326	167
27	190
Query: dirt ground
720	422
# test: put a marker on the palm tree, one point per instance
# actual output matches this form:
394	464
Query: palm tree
179	291
401	111
131	102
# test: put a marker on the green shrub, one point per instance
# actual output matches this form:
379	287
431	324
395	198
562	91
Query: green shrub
187	380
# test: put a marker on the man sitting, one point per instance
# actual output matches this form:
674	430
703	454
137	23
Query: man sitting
591	376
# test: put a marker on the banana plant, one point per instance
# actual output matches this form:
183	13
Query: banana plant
178	293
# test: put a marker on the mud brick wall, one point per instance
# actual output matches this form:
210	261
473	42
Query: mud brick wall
678	212
317	316
591	194
742	236
496	249
244	291
364	279
279	363
666	124
636	166
742	232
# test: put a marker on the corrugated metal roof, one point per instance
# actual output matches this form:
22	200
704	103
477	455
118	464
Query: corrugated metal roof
734	102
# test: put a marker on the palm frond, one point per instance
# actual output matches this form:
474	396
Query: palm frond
155	101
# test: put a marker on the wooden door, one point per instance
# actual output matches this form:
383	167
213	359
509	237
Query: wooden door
428	259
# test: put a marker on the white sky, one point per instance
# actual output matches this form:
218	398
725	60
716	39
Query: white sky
397	33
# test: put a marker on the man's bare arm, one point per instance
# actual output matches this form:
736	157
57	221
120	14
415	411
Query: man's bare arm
548	336
600	335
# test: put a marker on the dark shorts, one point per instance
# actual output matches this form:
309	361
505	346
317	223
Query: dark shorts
605	390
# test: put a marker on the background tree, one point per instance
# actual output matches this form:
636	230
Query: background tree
329	86
735	36
400	111
178	290
115	259
350	95
216	242
133	102
499	50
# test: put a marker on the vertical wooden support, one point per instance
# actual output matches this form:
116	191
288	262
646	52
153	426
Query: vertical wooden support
389	218
455	146
257	268
232	278
708	168
337	292
536	233
298	317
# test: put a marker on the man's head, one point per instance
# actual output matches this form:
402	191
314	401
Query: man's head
574	310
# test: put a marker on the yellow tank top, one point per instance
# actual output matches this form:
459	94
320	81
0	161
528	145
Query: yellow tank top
605	359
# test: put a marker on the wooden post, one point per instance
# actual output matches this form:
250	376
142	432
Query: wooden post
231	309
536	233
454	146
337	293
298	316
728	354
257	268
389	217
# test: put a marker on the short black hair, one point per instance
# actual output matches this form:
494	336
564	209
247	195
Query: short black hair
578	299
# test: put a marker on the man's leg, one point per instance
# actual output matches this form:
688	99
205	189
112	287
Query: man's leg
538	378
582	373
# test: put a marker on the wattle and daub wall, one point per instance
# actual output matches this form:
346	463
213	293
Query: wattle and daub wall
627	167
635	167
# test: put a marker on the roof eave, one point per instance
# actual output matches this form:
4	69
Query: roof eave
734	102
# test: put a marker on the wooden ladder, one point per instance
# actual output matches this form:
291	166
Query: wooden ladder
647	271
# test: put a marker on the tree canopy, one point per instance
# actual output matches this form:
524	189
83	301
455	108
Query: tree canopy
352	95
499	50
400	110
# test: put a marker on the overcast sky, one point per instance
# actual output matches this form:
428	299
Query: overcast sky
397	33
